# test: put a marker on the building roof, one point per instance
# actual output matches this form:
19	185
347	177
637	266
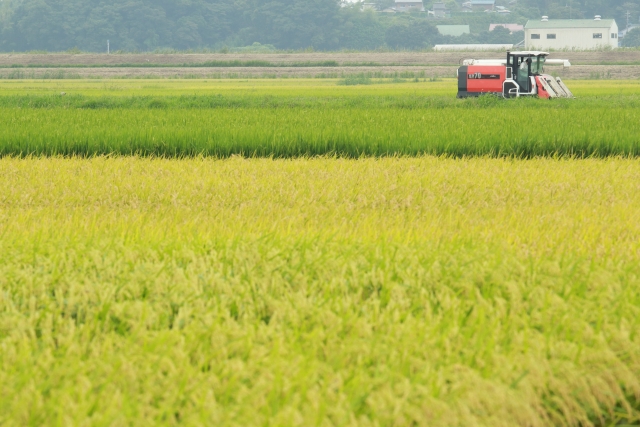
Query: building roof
453	30
408	1
470	47
531	52
483	2
569	23
514	28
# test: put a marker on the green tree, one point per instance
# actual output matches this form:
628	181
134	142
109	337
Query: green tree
296	24
500	35
142	25
416	34
38	25
632	39
362	31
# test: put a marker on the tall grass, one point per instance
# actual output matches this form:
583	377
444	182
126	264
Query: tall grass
427	292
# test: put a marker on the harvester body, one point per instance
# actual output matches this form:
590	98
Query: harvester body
520	74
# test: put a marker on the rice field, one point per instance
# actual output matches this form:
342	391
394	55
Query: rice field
420	291
286	119
292	287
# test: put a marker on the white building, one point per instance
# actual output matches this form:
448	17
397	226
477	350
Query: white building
579	34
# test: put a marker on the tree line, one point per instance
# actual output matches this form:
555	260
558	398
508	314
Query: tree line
148	25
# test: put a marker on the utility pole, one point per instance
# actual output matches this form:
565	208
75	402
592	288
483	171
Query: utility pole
108	48
628	15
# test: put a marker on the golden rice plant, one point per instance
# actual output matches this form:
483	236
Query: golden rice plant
398	291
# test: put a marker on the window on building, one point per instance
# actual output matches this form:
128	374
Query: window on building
551	36
597	35
614	36
535	36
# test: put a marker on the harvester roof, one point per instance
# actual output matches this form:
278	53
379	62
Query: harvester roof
530	53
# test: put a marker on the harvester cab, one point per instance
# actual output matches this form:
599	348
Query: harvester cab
521	74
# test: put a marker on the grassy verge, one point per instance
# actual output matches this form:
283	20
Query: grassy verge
428	292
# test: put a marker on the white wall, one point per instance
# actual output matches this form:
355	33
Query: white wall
572	38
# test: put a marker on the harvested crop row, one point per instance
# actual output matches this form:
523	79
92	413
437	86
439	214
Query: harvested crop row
426	291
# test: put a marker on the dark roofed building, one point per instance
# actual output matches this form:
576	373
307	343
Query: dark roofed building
409	6
482	5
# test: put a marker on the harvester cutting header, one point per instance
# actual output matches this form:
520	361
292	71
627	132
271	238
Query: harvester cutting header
521	74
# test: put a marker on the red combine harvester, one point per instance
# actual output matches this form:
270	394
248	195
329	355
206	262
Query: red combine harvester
521	74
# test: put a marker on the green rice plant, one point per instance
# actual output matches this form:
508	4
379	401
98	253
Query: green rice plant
294	127
400	291
353	80
285	118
